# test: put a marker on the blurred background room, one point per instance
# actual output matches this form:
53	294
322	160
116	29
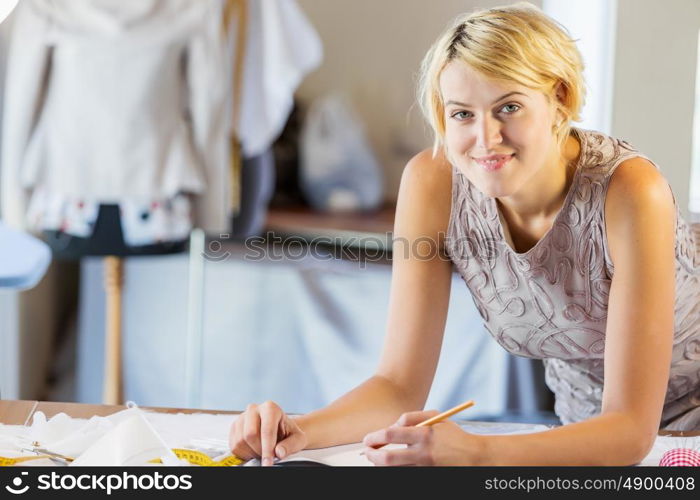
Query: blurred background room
216	181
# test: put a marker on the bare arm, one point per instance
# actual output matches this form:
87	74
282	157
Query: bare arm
420	288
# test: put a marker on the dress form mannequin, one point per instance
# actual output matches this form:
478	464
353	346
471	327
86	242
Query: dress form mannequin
117	136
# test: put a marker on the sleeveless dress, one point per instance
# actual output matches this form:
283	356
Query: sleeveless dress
551	302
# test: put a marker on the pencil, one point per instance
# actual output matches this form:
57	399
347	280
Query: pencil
439	418
446	414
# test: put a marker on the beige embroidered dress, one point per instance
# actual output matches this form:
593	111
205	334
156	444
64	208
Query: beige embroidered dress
551	302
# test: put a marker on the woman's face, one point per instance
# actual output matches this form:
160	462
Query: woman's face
499	134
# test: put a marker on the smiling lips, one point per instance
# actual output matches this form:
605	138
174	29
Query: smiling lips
493	162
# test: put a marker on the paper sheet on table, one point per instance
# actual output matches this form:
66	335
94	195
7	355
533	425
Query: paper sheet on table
349	454
132	442
501	427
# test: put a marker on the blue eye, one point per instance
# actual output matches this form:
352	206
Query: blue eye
510	108
461	115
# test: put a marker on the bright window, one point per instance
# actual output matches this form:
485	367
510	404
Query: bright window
694	205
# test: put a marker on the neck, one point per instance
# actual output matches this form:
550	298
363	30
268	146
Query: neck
544	194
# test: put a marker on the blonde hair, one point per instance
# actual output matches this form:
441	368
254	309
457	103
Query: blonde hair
516	43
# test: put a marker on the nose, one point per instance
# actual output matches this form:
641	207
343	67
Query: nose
488	133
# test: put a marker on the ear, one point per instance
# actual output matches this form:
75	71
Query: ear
561	92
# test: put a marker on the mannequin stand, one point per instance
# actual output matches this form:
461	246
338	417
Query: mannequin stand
107	240
113	392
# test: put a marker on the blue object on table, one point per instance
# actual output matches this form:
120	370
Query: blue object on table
23	259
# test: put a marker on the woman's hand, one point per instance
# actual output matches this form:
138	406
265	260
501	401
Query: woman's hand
444	443
265	431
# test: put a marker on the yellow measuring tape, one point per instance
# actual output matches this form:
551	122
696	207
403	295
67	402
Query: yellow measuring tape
191	456
6	462
202	459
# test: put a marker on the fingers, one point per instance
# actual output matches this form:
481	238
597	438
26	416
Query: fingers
294	438
255	432
291	444
251	429
384	457
397	435
243	451
236	443
270	419
409	419
415	417
416	439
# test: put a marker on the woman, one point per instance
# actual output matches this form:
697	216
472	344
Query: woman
595	273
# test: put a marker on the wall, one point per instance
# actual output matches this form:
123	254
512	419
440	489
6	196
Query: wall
656	57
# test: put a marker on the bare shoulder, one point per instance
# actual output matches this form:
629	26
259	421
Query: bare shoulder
428	171
425	195
638	185
639	203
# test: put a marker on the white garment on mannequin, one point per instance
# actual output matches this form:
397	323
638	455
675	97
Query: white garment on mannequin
118	102
143	222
